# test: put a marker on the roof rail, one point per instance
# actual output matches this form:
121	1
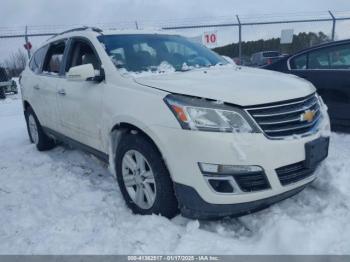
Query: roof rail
83	28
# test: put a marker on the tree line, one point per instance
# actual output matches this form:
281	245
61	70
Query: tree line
300	41
15	63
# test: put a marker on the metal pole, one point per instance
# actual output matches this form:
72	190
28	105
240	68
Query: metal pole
333	27
26	40
239	39
136	25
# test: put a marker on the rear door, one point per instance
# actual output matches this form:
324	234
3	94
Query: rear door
32	79
51	75
329	70
79	102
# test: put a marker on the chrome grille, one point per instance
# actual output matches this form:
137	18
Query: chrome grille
285	118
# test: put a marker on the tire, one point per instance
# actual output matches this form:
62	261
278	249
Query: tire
36	133
2	93
164	200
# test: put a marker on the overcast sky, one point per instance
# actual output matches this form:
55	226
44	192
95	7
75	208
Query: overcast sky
15	13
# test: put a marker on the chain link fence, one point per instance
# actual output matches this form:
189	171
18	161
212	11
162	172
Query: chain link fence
241	34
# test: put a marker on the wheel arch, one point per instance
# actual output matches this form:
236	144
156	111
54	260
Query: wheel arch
26	105
116	134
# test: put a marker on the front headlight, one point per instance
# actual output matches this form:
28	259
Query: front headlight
201	114
321	102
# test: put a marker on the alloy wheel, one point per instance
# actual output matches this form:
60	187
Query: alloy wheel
138	179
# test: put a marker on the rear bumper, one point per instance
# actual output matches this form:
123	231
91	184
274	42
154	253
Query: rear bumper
193	206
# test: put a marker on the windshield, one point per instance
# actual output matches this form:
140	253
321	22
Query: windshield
152	52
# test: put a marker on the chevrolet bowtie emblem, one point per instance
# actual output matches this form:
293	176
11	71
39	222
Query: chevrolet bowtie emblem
308	116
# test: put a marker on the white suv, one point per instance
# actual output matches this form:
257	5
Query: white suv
180	127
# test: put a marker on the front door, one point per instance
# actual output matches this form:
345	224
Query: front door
79	102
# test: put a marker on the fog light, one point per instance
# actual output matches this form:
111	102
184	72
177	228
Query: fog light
211	169
221	185
208	168
238	169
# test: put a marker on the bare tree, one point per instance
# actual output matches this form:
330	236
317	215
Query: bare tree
16	63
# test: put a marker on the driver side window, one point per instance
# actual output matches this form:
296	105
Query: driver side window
81	53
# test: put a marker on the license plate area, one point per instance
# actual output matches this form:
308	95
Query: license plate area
316	151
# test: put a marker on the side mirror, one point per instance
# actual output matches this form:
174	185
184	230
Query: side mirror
84	72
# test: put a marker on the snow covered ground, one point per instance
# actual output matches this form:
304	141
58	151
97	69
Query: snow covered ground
66	202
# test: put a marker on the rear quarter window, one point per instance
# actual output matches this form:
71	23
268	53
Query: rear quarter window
37	60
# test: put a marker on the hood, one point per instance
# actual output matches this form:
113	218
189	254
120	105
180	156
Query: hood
237	85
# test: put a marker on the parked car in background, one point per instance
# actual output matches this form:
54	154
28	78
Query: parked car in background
6	84
180	127
12	87
265	58
244	61
327	66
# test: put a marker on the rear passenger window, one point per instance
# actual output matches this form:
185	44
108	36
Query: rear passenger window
37	60
54	58
299	62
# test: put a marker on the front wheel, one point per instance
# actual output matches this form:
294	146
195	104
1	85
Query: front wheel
36	132
143	177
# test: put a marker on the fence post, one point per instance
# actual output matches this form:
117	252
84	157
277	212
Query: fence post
136	25
239	39
333	27
27	41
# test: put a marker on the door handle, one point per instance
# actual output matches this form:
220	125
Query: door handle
36	87
61	92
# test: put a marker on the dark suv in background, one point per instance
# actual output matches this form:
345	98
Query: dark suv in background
265	58
327	66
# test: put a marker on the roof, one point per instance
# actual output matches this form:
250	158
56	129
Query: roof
326	44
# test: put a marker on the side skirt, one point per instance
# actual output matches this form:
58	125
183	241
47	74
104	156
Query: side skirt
100	155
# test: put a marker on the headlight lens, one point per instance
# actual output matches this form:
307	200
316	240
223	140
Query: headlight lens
199	114
321	102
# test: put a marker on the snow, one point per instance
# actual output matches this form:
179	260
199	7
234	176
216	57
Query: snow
66	202
163	68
